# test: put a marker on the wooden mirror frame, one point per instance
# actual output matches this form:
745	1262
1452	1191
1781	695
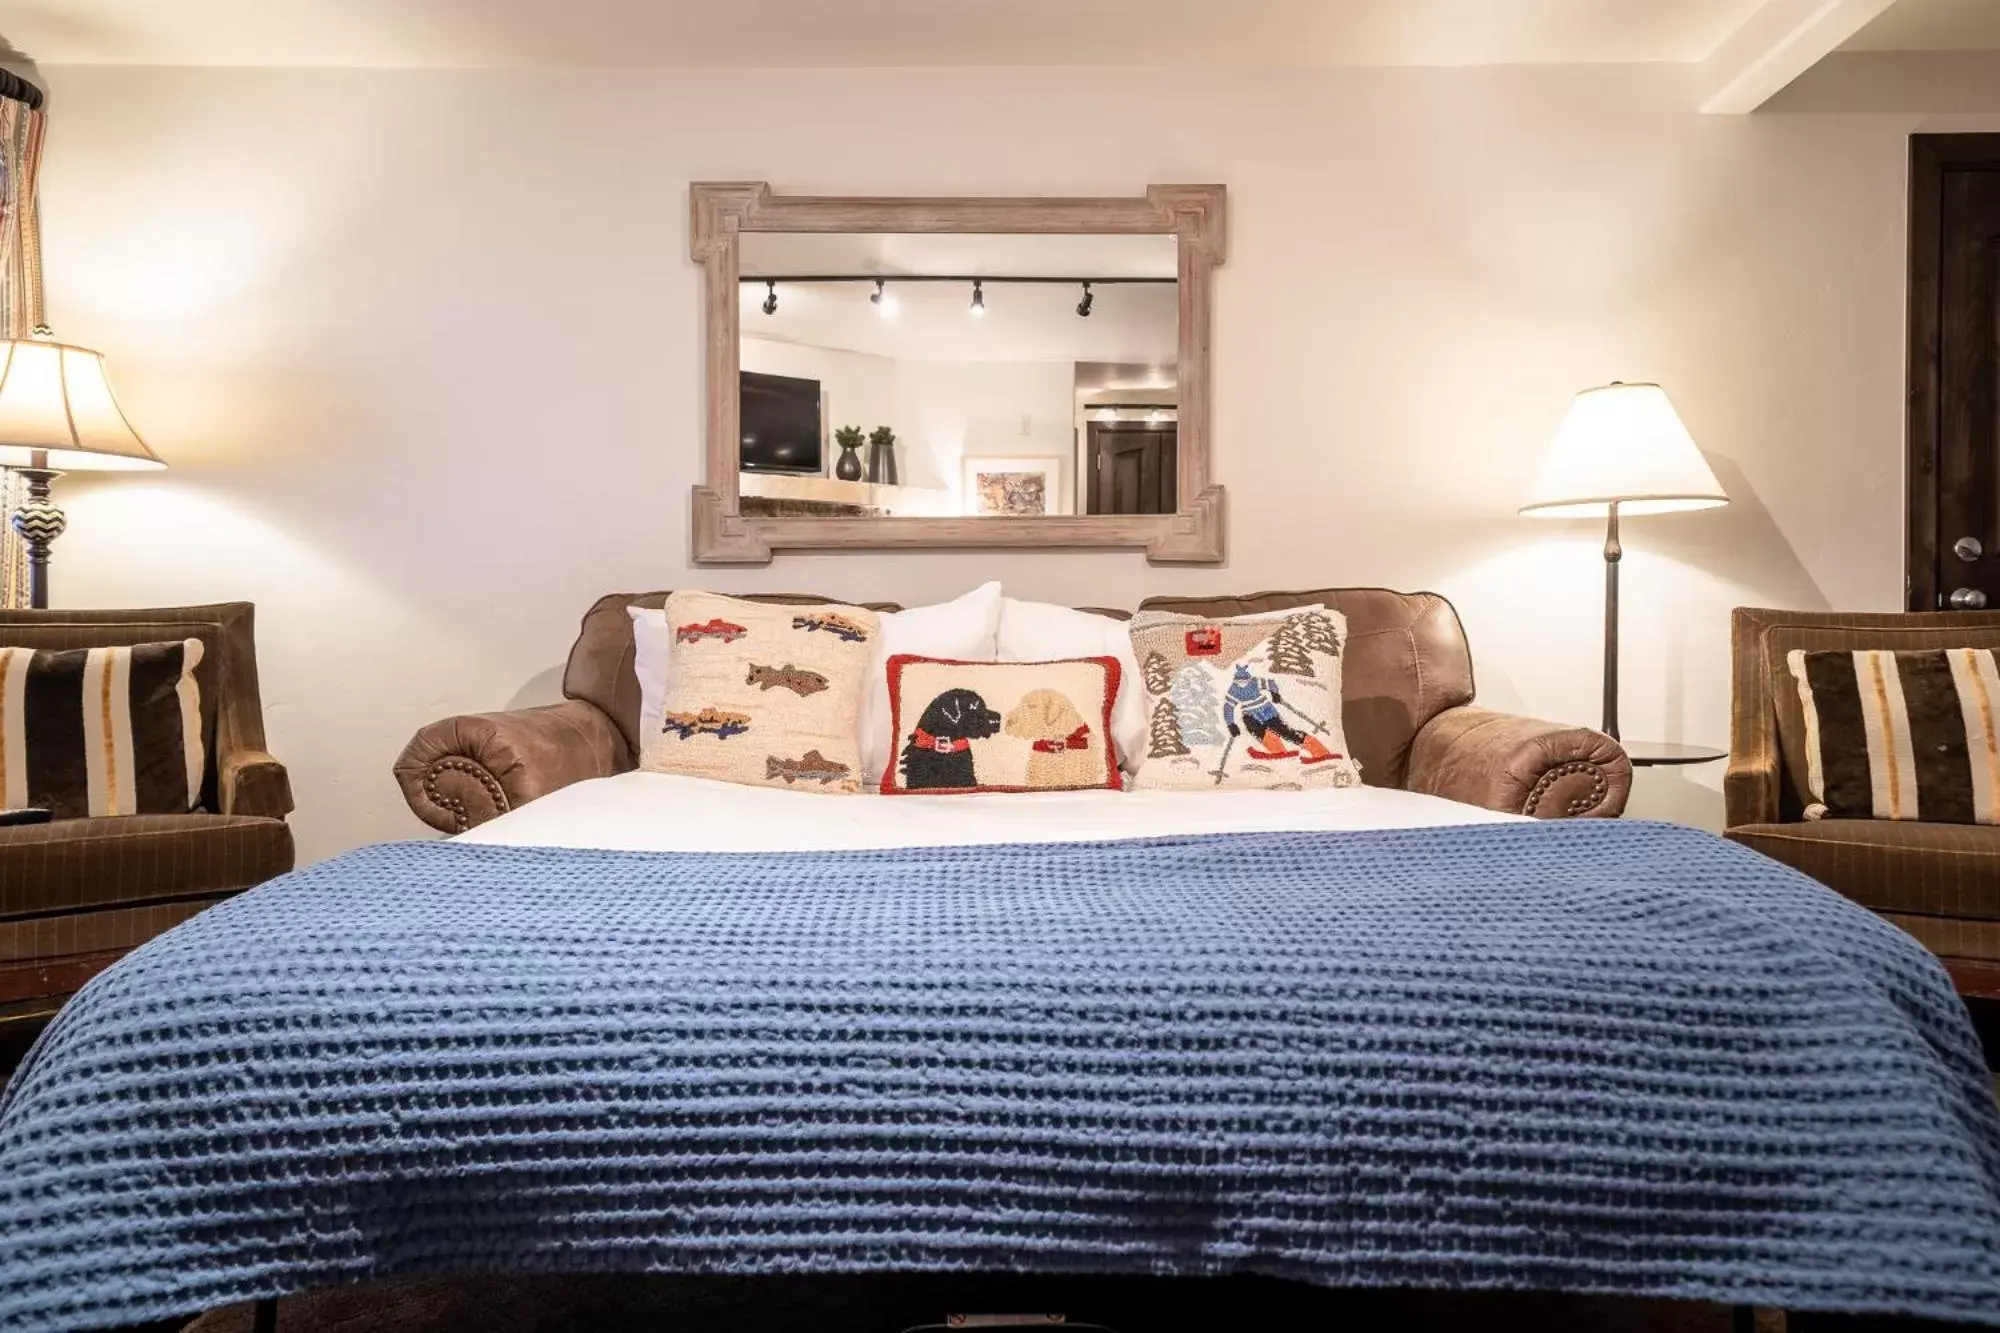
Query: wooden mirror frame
723	211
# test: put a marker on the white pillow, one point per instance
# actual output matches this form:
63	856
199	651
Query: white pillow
964	629
1045	632
652	645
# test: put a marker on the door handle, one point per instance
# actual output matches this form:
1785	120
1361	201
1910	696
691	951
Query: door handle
1967	549
1967	599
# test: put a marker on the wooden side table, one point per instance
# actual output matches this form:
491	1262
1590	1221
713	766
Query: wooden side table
1669	754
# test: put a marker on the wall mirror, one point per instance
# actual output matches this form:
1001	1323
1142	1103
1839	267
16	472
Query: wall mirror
938	373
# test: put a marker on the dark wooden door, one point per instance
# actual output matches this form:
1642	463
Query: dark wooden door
1132	468
1954	429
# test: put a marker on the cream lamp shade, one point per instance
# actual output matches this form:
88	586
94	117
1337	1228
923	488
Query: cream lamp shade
1622	444
56	401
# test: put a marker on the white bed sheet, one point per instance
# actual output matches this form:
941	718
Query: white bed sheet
666	813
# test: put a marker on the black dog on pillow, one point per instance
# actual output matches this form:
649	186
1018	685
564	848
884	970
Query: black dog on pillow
938	753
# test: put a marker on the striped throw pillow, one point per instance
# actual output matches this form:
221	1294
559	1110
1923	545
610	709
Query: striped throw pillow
1901	735
101	731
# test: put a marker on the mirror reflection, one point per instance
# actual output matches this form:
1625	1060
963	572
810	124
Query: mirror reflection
929	375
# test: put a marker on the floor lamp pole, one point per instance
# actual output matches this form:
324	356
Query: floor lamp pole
38	522
1613	553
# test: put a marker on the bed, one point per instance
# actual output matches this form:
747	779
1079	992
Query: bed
1359	1038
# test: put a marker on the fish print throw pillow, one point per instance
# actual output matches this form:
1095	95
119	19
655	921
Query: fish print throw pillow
764	694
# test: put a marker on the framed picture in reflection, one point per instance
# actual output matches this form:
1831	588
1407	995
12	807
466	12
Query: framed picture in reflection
1010	487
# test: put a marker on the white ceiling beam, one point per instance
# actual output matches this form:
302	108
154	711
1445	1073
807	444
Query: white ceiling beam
1778	43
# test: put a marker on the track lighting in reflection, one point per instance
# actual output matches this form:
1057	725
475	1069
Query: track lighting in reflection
1083	306
1156	418
1107	415
978	299
885	304
771	298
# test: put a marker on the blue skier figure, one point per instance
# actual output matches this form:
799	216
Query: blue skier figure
1253	702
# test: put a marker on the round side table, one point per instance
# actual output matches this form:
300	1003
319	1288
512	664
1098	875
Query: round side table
1669	754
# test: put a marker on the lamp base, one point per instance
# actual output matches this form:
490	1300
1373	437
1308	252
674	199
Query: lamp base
38	521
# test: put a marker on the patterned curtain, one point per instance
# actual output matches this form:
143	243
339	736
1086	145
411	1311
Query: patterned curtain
21	124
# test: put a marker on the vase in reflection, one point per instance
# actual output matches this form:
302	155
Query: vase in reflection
848	466
882	456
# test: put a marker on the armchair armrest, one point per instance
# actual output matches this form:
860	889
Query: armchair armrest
465	770
1750	789
1520	765
253	782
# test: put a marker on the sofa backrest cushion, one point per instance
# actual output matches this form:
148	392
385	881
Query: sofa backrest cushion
600	669
1406	662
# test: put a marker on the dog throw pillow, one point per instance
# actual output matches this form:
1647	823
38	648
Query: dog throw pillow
969	727
764	694
1243	701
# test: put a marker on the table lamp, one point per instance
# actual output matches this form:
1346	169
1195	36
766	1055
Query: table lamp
1621	450
56	408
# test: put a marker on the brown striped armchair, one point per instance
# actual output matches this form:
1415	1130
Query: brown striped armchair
76	894
1939	882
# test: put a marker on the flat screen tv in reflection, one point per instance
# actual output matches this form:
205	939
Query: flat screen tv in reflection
780	425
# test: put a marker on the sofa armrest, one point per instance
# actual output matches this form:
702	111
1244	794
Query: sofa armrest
1520	765
253	782
465	770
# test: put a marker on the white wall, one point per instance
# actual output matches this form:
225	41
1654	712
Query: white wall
948	411
422	348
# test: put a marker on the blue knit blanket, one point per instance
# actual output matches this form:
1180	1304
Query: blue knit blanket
1600	1057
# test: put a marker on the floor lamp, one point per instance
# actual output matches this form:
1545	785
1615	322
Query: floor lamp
1621	451
57	414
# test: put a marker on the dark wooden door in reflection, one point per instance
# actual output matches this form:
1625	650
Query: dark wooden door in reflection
1132	467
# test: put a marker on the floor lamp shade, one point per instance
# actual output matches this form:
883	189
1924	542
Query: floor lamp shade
1621	450
57	414
56	401
1622	444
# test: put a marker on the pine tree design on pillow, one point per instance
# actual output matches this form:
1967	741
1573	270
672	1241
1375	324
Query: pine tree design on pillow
1243	701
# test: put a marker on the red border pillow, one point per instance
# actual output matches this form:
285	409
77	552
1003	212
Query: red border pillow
963	728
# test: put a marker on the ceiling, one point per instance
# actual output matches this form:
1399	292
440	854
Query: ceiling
1021	322
933	322
752	33
1932	25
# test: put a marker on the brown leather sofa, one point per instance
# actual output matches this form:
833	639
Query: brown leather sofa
1939	882
1409	713
76	894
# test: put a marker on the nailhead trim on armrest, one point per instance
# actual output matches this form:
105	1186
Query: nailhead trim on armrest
450	805
1600	786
